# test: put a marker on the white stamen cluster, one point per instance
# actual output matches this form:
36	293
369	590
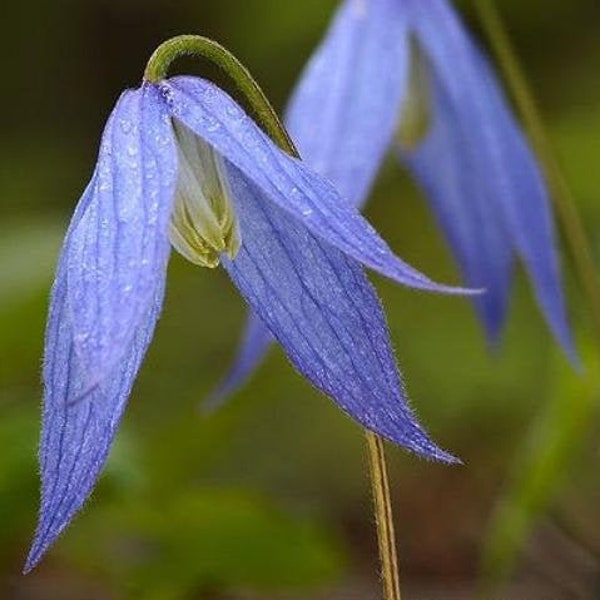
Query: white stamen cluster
203	224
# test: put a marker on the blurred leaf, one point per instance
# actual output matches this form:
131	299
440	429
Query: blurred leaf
580	149
204	539
541	464
18	431
19	482
28	252
18	476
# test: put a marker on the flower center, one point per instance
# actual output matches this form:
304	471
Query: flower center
203	223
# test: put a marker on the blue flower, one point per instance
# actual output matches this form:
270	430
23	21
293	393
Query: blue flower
404	74
180	163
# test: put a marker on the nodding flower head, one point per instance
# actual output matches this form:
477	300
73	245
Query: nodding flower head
180	162
405	75
420	85
203	224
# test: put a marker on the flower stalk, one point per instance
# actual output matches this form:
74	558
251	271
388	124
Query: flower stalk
196	45
386	536
267	118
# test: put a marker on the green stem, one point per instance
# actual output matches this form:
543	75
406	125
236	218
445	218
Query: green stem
267	118
195	45
550	446
564	201
383	515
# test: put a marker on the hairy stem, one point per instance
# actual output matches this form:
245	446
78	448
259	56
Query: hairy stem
384	518
575	234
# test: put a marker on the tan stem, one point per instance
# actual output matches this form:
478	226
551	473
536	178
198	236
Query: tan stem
383	516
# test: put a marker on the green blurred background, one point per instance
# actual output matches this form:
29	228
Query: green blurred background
269	498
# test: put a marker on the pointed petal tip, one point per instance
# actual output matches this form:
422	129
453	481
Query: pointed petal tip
220	395
227	387
493	338
412	437
38	548
213	401
571	354
449	459
52	522
563	335
441	288
434	453
492	317
428	450
30	564
403	274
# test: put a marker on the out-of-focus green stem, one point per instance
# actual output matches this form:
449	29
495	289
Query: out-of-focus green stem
543	462
562	196
267	117
556	434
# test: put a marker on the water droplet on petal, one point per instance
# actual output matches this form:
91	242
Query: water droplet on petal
80	338
126	126
234	112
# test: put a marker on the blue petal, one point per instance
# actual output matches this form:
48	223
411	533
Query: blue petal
342	117
527	210
253	346
516	189
215	117
118	252
76	436
319	305
457	185
344	112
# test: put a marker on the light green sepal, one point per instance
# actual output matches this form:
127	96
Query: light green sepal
415	115
203	224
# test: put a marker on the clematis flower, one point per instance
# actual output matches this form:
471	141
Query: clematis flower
404	75
181	164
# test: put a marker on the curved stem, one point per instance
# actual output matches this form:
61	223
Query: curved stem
383	514
564	201
196	45
266	116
